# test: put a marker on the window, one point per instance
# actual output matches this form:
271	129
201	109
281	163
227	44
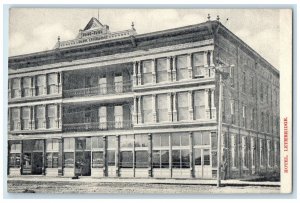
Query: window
118	83
267	93
261	152
160	140
180	139
126	141
15	155
244	83
269	153
41	85
118	110
53	83
252	118
180	151
197	154
160	159
206	157
252	152
52	160
40	117
244	152
183	109
182	71
111	142
97	161
162	107
141	140
201	138
111	157
162	74
52	145
16	88
147	72
262	127
232	111
199	104
69	144
15	119
126	159
26	86
141	159
261	92
97	143
232	76
102	83
52	116
82	143
103	117
147	109
25	118
234	151
252	86
198	64
244	117
267	122
69	159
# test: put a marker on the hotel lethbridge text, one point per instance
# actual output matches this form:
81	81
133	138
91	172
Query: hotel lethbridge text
286	145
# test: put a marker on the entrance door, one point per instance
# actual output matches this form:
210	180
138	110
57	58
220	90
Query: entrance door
37	163
26	164
202	163
83	163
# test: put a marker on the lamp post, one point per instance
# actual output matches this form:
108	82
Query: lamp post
223	73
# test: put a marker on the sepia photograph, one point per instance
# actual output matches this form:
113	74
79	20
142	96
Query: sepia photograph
149	101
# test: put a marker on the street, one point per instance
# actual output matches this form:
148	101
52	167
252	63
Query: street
19	186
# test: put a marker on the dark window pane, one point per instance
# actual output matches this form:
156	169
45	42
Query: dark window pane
197	154
126	160
69	160
97	160
206	156
80	143
141	159
156	159
176	158
111	157
165	159
185	159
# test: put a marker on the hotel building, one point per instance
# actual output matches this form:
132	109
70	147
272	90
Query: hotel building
122	104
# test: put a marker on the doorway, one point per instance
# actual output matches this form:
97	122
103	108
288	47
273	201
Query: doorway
32	163
83	163
202	160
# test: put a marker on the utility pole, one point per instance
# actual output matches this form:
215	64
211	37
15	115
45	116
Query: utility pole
225	74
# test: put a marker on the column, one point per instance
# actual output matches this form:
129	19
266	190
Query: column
192	165
135	118
9	88
104	156
45	118
170	156
20	87
60	76
213	108
33	90
60	116
205	59
189	65
8	119
117	156
44	158
153	71
140	120
154	108
134	76
170	106
21	158
139	76
206	94
60	157
33	118
190	101
212	58
150	168
174	78
169	69
174	107
46	85
19	119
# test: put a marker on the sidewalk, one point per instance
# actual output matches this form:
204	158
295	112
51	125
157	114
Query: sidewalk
140	180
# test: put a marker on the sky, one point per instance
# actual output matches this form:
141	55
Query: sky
33	30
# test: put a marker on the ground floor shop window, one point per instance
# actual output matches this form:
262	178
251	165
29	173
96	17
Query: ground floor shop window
181	158
111	158
69	159
97	161
141	159
15	160
52	160
126	159
160	159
